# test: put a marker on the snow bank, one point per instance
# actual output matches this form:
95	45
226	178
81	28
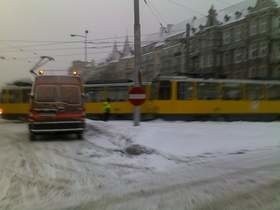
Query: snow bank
197	138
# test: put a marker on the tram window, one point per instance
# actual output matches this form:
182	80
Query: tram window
273	92
15	96
46	93
117	93
154	91
25	95
184	90
232	91
254	91
94	94
4	96
164	90
207	91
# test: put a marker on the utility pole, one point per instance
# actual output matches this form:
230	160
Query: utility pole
188	35
86	57
137	50
85	42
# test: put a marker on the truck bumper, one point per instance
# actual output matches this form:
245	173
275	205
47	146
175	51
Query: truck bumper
60	126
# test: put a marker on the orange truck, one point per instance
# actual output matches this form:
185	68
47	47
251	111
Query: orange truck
57	106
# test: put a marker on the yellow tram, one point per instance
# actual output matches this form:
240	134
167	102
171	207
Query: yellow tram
172	97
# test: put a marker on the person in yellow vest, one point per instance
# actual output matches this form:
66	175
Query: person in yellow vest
106	110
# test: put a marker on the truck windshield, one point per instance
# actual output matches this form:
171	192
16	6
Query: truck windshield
53	93
70	94
46	93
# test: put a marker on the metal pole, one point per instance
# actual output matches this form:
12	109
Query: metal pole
137	50
86	33
188	32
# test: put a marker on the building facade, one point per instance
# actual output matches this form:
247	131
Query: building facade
238	42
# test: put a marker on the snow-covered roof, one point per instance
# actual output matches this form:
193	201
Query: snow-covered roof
196	22
224	17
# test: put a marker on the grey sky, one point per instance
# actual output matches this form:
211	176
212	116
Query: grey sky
55	20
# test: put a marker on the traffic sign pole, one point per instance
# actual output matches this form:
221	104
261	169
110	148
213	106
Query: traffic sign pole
137	97
137	50
137	115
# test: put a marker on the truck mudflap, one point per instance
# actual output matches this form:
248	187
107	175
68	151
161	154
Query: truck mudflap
57	126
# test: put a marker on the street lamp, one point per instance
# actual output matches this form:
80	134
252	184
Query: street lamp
85	37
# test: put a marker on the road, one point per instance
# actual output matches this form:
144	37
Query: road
68	174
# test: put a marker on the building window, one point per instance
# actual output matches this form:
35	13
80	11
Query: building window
263	49
253	52
191	45
226	59
205	61
238	34
238	56
201	61
218	60
262	72
263	25
209	60
253	28
203	43
276	73
252	72
226	37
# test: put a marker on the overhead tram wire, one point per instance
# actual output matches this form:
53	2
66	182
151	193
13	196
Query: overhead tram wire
75	48
186	7
62	55
224	2
155	12
104	45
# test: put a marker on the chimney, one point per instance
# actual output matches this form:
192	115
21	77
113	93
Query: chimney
169	27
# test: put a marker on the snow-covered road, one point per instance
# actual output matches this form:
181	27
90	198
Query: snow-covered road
188	165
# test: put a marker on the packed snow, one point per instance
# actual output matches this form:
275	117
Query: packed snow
173	142
181	165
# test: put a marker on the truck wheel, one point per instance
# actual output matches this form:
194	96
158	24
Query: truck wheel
80	136
32	137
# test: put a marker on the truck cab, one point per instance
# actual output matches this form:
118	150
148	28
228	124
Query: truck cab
56	106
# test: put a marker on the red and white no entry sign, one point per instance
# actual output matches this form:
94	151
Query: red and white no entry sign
137	96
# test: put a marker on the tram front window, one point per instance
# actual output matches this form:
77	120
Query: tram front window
46	93
70	94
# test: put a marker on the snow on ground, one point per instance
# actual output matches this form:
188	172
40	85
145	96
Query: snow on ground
175	142
185	162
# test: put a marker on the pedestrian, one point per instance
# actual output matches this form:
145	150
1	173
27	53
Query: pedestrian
106	110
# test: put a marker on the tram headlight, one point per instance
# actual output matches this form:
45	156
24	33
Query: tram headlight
75	73
41	72
1	111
